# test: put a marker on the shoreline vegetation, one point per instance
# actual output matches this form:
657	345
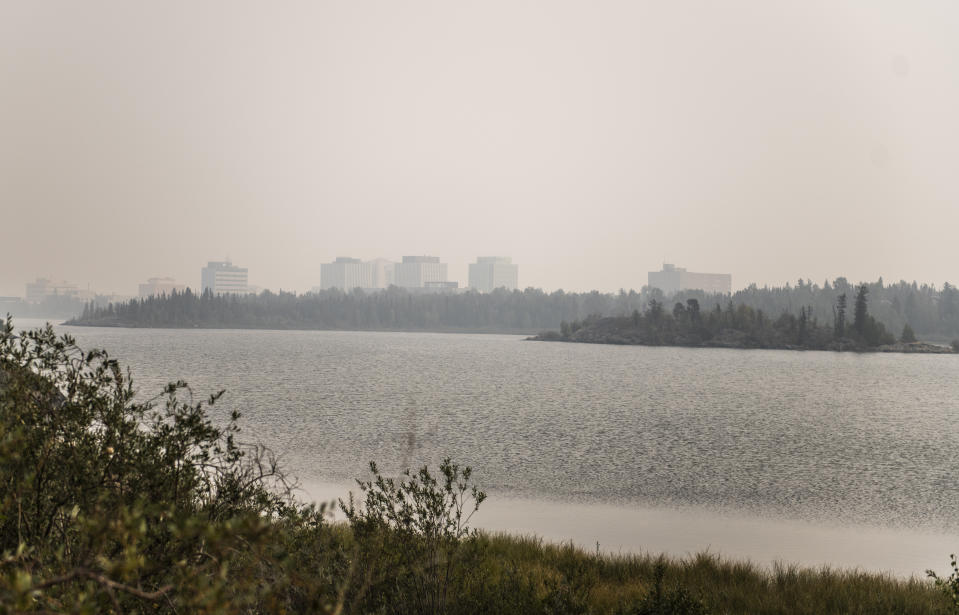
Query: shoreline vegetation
741	326
931	313
115	505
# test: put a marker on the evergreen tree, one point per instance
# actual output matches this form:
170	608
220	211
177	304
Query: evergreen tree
861	312
908	335
655	310
840	308
803	318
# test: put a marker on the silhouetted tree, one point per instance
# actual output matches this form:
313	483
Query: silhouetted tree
861	310
908	335
840	308
803	322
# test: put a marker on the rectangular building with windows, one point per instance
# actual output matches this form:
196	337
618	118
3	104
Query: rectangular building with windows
491	272
223	278
673	279
346	274
416	271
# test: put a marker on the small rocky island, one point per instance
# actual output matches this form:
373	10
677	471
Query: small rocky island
741	326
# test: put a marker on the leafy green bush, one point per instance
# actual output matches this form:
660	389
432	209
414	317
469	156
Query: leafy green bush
412	531
949	585
677	601
109	503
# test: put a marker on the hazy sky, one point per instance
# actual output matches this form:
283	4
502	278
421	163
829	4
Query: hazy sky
590	141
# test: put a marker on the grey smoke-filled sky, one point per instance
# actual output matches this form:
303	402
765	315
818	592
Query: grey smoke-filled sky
590	141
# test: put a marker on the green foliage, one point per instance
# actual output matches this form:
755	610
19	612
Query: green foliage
411	531
659	601
949	585
524	575
109	503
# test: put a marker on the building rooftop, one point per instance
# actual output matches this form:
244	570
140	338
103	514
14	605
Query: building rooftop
421	259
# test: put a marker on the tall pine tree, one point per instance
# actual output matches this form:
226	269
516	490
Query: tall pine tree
861	313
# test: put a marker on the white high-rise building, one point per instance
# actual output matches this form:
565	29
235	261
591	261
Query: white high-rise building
223	278
346	273
491	272
416	271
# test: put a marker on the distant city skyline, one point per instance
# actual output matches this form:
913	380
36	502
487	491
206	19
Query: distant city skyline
457	272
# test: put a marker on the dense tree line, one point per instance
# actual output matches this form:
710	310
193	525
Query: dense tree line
931	313
394	308
740	326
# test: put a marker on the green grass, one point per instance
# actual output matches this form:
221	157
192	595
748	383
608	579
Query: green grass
602	583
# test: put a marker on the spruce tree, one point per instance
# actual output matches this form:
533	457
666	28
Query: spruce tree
803	318
840	328
861	313
908	335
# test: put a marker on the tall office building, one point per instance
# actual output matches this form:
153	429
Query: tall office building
416	271
673	279
223	278
160	286
346	273
490	272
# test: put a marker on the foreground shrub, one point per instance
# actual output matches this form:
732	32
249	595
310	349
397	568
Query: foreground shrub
660	601
111	504
949	585
412	531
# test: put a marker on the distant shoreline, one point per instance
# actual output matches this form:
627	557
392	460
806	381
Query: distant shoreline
234	326
549	336
913	348
640	332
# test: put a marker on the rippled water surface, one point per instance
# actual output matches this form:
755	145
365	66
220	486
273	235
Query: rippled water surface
815	437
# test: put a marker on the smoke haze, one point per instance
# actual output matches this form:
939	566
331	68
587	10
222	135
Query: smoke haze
589	141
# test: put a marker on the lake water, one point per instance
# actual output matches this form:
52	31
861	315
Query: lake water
808	457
